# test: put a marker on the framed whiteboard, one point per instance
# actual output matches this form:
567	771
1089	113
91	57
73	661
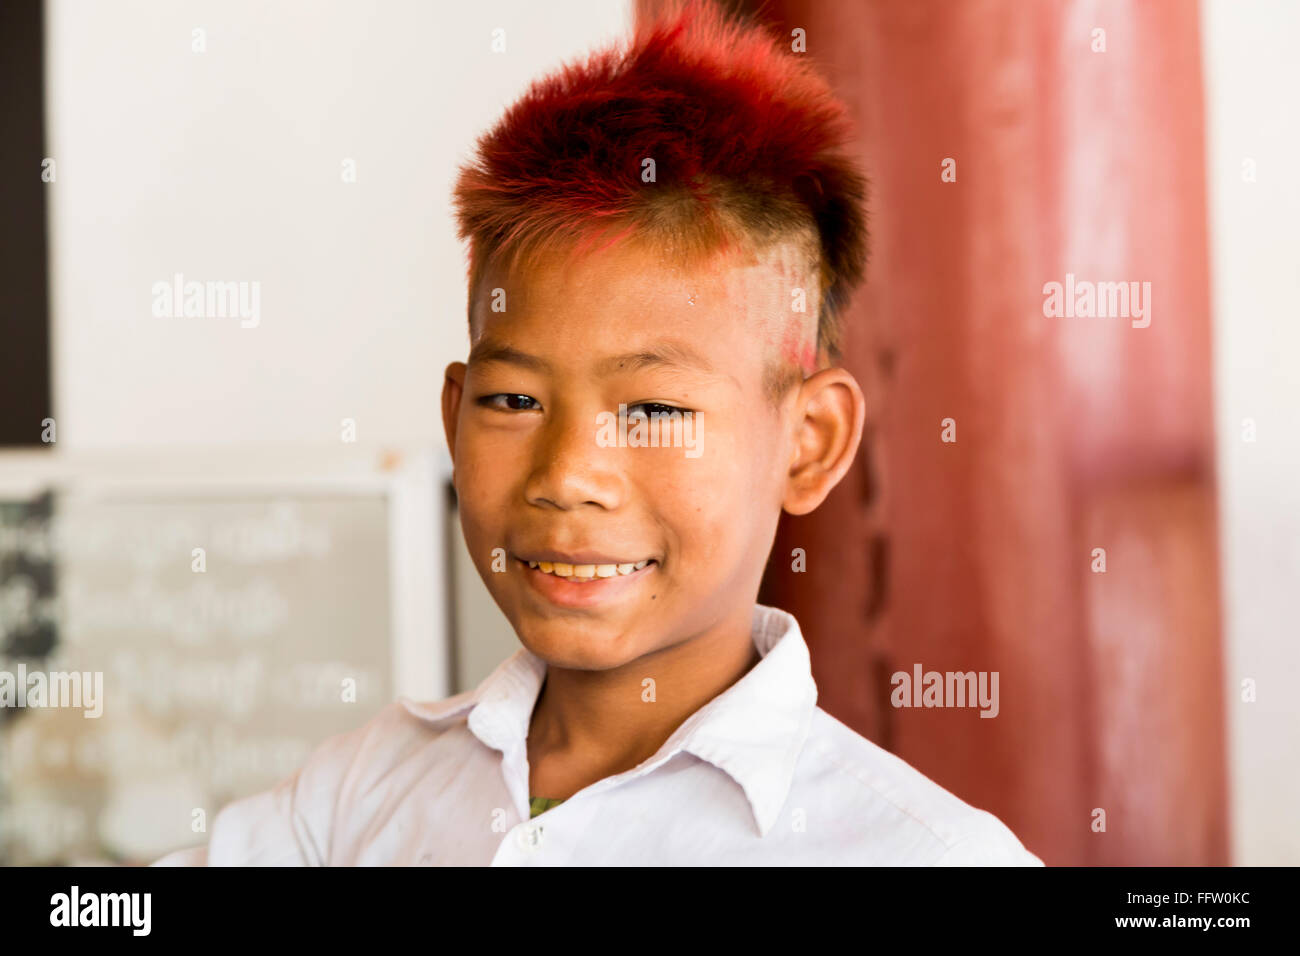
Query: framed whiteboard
236	609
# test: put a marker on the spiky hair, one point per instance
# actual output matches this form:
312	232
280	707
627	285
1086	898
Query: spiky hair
749	145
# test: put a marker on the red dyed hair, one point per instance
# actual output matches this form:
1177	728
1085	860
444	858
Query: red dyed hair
748	142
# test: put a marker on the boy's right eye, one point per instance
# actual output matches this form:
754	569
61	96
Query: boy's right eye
506	401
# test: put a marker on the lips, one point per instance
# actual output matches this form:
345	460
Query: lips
583	566
579	557
587	572
596	582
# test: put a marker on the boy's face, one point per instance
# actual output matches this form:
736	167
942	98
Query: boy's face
530	420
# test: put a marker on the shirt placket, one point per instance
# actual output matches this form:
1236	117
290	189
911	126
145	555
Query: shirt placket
528	844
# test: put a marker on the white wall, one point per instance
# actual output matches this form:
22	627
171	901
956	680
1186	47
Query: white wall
226	165
1252	83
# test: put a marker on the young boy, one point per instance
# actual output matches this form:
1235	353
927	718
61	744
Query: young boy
662	241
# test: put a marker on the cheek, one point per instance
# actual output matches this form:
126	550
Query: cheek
485	472
708	504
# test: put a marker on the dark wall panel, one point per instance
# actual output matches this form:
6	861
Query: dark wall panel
24	301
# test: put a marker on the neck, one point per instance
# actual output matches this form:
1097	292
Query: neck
588	725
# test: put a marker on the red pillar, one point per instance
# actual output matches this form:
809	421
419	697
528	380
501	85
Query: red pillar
1073	434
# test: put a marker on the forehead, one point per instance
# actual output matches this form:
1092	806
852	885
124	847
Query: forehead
585	306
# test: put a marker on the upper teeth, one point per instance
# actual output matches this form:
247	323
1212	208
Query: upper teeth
586	571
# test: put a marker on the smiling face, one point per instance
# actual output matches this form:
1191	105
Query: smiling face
673	539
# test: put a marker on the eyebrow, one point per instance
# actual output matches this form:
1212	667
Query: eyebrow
670	355
486	352
662	355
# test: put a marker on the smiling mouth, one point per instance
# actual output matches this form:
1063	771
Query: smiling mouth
586	573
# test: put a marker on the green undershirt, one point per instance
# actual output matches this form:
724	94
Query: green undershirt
538	805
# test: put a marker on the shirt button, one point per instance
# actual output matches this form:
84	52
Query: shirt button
529	837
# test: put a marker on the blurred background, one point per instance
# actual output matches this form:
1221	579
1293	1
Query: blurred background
244	522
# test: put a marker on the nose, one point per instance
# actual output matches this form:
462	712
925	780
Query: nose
571	469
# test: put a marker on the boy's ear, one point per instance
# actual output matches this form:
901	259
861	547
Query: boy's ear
831	413
453	386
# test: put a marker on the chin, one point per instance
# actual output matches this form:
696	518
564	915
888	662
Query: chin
589	647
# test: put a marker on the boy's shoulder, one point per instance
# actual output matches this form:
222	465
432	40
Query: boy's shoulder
887	804
293	822
389	738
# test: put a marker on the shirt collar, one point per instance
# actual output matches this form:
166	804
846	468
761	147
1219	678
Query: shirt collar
754	730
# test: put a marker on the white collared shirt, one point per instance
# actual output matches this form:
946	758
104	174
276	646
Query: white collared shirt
758	776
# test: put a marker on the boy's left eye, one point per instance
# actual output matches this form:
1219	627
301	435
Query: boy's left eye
511	402
646	409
